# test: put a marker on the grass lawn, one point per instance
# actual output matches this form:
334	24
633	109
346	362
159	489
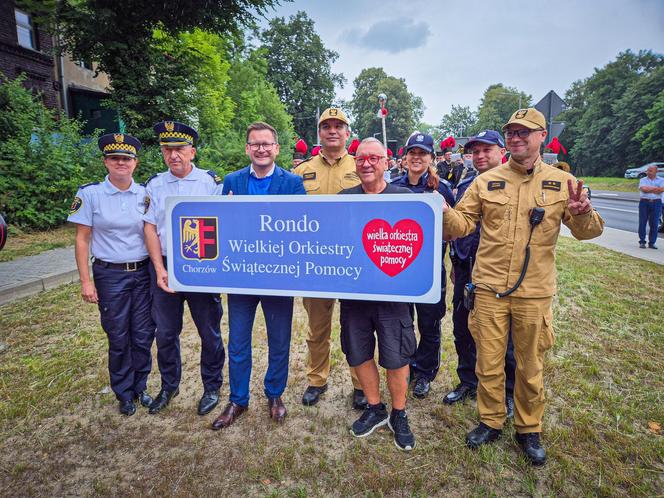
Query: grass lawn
20	243
611	183
60	433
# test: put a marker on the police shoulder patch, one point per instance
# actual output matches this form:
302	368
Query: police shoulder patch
309	176
551	185
76	205
145	183
496	185
146	203
217	179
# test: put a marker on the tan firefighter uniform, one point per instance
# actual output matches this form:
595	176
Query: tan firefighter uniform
323	175
502	199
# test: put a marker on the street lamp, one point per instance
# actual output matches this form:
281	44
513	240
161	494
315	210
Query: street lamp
513	94
382	98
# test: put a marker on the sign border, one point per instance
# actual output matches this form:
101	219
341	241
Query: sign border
434	200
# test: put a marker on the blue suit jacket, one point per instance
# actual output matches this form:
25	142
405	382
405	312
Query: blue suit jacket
283	183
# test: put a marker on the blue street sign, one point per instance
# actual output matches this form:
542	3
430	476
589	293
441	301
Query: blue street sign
372	247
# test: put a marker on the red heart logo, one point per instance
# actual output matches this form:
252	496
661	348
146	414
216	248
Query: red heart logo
392	249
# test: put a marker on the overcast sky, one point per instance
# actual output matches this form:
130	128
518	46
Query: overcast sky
449	52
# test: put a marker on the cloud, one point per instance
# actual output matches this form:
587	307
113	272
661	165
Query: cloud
393	36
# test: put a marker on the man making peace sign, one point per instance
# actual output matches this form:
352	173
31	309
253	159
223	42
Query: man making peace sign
520	205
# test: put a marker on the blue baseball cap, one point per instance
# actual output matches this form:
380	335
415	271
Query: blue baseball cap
491	137
420	141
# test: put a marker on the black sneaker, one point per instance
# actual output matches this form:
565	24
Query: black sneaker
403	436
371	419
530	444
421	388
460	393
482	434
642	245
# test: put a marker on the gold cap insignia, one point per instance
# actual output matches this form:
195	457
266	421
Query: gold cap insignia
169	125
333	112
119	137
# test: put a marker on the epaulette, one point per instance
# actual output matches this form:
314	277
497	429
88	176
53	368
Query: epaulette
88	184
468	179
145	183
446	183
217	179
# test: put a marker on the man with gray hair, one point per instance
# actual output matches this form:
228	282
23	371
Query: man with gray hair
391	323
651	188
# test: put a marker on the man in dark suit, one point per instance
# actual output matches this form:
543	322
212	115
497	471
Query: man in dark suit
261	177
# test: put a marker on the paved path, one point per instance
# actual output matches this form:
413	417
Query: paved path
624	242
33	274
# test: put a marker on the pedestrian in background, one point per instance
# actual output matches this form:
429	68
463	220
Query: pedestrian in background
651	188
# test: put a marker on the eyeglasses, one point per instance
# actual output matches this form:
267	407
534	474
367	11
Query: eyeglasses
372	160
523	133
266	147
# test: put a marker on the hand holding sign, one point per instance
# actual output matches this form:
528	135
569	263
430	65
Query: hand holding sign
392	249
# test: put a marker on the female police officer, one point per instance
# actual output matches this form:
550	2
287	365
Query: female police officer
109	224
422	177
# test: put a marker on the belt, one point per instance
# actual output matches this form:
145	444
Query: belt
131	266
651	200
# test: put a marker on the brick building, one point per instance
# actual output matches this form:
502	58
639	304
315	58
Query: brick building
71	87
25	48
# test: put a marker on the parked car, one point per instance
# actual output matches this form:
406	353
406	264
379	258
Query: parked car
640	172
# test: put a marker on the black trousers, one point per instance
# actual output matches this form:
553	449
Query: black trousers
426	361
124	308
206	311
463	341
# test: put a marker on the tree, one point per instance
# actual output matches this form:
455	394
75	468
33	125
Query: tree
496	107
300	68
459	121
651	135
631	114
606	111
404	109
150	75
254	99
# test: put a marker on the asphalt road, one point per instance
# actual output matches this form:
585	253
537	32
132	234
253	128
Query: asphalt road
619	209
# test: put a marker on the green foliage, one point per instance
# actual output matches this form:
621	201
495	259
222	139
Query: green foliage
458	121
651	135
300	68
42	161
496	107
157	70
247	97
607	110
202	60
405	109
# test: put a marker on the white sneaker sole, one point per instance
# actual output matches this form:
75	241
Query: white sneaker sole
402	448
377	426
